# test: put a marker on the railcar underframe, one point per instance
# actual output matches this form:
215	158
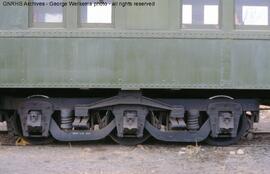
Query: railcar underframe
130	118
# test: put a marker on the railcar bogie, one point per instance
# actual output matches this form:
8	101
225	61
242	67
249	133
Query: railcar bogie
131	118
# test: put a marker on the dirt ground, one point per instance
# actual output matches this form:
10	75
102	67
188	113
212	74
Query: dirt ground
248	157
143	159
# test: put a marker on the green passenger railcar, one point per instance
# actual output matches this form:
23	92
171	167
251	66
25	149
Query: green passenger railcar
177	70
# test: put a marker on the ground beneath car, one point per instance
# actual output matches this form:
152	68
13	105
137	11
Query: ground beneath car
143	159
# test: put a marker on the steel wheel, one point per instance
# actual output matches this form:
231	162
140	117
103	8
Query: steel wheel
243	127
15	129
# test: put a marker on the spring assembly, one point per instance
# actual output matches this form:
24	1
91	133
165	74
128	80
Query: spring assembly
66	118
193	120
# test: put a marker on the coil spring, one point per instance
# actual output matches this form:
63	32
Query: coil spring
193	120
66	119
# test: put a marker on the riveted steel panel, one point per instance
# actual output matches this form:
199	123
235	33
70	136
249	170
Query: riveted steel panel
120	62
143	49
250	63
134	63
